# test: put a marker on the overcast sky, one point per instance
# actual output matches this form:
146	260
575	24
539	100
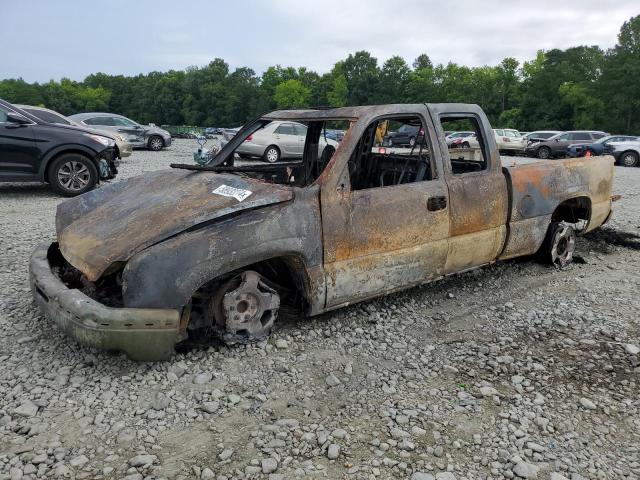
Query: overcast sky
43	39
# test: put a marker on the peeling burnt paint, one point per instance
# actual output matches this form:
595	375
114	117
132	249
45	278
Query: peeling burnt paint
157	206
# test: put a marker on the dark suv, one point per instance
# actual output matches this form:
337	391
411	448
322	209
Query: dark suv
71	159
556	146
405	135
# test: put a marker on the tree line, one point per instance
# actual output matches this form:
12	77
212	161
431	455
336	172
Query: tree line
580	87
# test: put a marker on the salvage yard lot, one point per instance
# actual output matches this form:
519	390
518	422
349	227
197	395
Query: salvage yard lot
497	372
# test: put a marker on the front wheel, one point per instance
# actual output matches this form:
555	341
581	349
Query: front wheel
72	174
559	245
544	153
412	141
245	308
156	143
629	159
466	145
271	154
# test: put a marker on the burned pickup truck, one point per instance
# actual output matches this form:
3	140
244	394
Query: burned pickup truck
220	249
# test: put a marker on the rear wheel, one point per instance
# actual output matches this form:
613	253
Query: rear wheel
466	145
412	141
271	154
559	245
544	153
72	174
629	159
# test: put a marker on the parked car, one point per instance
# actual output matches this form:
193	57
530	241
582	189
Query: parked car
123	148
599	147
626	153
336	135
469	141
509	140
453	136
140	136
556	146
540	135
224	248
213	131
228	134
71	159
278	140
405	135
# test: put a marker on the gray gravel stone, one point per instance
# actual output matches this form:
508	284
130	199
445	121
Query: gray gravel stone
333	451
526	470
26	409
269	465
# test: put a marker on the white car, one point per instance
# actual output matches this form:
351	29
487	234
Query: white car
279	140
456	135
470	141
509	139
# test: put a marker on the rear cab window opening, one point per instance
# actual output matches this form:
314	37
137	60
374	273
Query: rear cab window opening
469	154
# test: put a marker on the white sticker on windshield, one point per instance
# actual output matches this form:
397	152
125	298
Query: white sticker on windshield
237	193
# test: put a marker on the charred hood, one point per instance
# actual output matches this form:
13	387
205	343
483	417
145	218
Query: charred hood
107	226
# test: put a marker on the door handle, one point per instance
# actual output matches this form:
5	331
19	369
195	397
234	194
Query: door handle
436	203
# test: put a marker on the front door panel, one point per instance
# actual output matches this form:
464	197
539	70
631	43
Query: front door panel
19	154
384	239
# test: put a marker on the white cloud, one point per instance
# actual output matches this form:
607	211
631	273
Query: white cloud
465	31
138	37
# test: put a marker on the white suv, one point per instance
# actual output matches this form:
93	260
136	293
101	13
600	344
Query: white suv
509	140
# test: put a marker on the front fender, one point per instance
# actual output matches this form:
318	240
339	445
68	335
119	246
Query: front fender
170	272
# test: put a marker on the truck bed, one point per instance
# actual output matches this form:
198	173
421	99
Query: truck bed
537	188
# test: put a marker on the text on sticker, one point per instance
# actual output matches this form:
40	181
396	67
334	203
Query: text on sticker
237	193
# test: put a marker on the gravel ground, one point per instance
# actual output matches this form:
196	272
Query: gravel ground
512	371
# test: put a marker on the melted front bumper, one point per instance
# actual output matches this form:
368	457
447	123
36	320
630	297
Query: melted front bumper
145	334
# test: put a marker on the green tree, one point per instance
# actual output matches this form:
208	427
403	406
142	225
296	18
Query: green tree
394	78
292	94
362	75
422	61
619	86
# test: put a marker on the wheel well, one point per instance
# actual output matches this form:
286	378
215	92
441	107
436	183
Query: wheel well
286	274
573	210
274	146
66	152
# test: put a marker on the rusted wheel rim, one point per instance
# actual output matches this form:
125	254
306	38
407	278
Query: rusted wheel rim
245	308
564	244
74	176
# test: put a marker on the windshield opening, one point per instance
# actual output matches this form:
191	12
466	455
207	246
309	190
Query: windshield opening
286	152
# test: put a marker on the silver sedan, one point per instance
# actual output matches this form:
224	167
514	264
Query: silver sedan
279	140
